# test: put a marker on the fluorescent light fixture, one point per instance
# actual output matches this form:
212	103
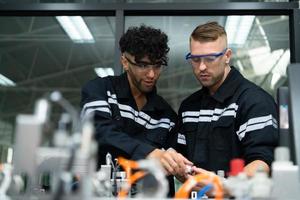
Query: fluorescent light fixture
238	28
76	29
102	72
6	81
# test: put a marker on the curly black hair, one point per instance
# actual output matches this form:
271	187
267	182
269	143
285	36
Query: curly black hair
145	41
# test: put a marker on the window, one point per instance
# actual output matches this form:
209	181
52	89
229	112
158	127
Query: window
261	53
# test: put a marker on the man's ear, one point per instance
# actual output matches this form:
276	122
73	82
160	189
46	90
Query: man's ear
124	63
228	55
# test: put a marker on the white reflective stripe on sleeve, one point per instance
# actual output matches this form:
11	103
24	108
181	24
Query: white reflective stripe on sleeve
166	126
181	139
144	119
255	120
85	113
139	116
101	109
95	103
256	123
90	107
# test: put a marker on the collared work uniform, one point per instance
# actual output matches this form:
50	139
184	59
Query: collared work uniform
238	121
121	129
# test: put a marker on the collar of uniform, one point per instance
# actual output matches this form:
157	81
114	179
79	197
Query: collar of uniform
123	89
124	92
229	86
154	102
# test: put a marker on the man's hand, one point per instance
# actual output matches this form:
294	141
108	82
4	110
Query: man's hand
173	162
205	182
252	167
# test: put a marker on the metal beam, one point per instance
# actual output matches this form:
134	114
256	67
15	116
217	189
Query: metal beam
57	74
44	38
52	56
39	89
108	9
69	57
33	63
5	50
294	36
16	62
120	26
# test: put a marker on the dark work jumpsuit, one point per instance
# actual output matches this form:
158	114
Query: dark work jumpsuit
123	130
238	121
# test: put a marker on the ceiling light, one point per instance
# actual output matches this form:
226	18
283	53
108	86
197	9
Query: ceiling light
102	72
238	28
4	81
76	29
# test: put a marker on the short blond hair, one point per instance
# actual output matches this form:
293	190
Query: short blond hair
208	32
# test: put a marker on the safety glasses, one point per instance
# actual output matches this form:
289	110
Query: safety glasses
207	58
146	65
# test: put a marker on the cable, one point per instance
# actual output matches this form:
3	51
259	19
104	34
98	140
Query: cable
128	165
184	190
203	191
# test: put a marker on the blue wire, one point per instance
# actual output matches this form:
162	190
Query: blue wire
205	189
75	183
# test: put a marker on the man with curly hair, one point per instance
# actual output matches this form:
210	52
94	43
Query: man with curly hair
131	119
